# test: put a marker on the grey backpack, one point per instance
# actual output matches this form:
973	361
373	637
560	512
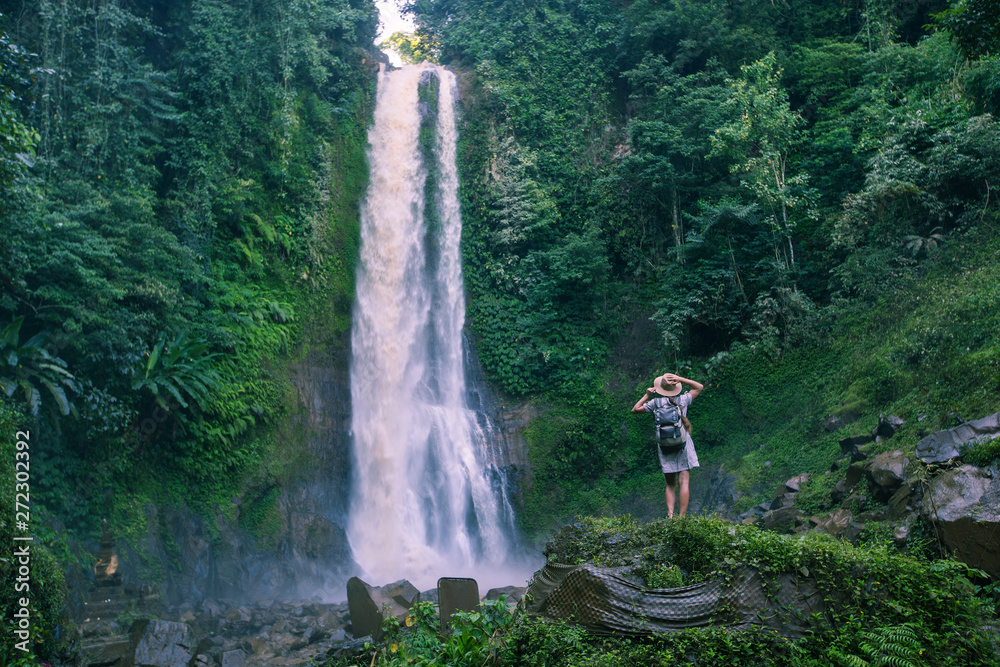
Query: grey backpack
669	425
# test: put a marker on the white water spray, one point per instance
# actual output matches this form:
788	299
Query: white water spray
423	505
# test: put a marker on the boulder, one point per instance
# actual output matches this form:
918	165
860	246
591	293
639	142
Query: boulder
330	621
314	635
158	643
872	515
369	605
101	629
887	427
795	484
456	594
844	487
348	649
836	523
116	650
513	593
905	499
211	608
784	520
900	535
840	491
784	500
847	445
885	474
234	658
941	446
963	505
853	532
403	592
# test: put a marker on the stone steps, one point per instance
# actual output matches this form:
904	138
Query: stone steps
106	610
107	594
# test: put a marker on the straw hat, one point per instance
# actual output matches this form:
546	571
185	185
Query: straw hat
663	387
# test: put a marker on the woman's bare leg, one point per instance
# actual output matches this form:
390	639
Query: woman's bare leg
671	478
685	478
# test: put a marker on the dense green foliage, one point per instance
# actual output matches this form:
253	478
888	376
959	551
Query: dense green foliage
799	195
793	202
882	608
181	185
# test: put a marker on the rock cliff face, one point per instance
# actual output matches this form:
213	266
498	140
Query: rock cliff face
304	549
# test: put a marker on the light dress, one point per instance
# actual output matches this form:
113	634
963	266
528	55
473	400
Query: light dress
685	458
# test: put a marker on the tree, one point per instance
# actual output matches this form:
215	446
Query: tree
974	27
17	140
414	47
760	137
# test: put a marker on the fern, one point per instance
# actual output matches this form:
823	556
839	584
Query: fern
890	646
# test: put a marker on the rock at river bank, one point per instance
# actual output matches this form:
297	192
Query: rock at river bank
369	605
162	643
963	505
513	593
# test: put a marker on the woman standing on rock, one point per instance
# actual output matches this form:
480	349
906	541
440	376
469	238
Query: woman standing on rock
666	392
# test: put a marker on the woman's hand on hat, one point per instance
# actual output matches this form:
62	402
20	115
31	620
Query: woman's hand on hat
670	377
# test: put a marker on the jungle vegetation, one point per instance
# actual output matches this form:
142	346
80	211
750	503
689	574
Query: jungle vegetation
793	202
180	204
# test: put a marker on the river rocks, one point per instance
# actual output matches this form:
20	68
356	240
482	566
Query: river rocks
369	605
885	474
161	643
513	593
108	650
963	504
944	445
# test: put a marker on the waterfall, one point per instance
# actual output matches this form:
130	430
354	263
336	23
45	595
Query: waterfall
426	500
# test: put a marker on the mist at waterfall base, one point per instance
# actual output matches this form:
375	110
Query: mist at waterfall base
430	497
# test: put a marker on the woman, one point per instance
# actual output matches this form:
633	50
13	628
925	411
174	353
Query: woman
675	466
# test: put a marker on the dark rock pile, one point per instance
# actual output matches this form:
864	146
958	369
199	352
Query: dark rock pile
958	504
220	633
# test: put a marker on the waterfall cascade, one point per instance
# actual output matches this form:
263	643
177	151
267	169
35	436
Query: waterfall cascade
428	498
